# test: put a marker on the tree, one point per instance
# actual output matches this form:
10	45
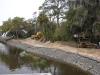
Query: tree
63	33
29	29
13	26
85	16
54	8
42	19
6	25
17	25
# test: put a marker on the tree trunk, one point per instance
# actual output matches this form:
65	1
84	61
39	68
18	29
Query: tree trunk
17	34
57	21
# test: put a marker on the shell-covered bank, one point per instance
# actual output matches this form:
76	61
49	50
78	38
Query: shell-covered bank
86	63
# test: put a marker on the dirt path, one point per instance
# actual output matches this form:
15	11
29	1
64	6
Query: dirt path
66	46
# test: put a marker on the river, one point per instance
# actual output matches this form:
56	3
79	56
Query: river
17	61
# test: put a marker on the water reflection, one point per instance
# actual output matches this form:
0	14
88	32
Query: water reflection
11	62
3	48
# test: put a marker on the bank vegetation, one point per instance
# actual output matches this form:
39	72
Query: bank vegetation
59	20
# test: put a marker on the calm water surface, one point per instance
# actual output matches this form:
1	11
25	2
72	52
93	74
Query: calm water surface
16	61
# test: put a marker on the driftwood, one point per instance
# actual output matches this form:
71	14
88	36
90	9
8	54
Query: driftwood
44	39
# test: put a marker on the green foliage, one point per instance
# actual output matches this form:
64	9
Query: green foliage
6	25
29	28
42	18
70	14
14	26
27	55
75	16
83	15
17	22
49	31
36	58
22	34
62	33
80	12
42	62
98	12
54	8
97	25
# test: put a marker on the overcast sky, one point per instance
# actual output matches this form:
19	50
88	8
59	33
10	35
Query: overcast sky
20	8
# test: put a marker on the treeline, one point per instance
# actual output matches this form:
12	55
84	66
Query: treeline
59	20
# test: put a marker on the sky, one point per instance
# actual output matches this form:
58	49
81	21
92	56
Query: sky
20	8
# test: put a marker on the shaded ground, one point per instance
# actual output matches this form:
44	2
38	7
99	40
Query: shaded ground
66	46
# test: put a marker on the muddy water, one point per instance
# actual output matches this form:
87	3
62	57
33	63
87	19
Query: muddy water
17	61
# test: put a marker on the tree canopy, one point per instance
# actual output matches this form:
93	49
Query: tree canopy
54	8
42	19
84	14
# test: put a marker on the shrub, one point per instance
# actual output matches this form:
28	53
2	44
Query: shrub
63	32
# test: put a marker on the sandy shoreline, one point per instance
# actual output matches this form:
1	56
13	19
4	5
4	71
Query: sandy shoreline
88	52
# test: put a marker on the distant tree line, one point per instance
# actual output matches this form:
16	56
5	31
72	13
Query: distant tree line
60	20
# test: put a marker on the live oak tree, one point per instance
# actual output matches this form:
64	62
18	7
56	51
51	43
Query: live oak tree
6	25
13	26
17	25
84	14
54	9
